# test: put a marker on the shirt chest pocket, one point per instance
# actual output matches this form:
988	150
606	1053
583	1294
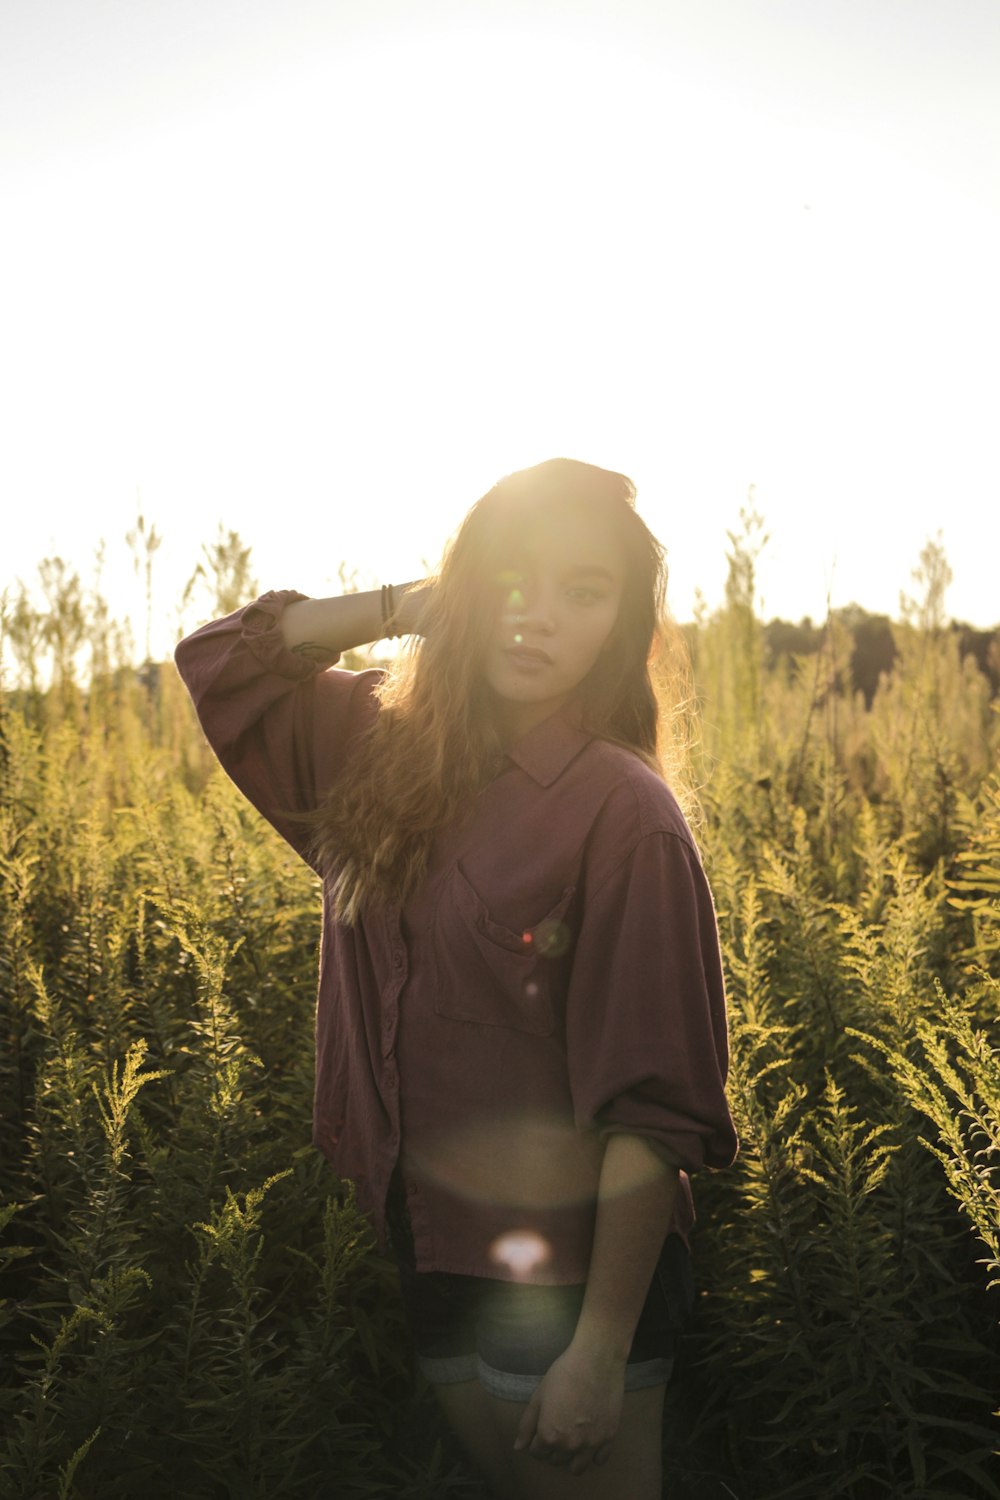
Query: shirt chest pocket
489	974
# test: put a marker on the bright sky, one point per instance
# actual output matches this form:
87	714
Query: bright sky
322	272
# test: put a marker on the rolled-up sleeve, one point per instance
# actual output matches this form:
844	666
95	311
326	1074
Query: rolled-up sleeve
646	1026
282	724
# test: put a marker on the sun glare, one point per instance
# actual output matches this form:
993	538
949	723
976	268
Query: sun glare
328	303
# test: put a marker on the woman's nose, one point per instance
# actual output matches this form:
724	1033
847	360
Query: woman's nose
531	608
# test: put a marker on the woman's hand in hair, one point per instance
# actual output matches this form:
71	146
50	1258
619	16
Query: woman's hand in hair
410	600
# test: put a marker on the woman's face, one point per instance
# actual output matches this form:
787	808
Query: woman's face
559	604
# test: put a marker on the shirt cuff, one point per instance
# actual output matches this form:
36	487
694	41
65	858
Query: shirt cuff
664	1152
261	631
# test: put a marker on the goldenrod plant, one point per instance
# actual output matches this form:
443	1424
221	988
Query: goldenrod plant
191	1303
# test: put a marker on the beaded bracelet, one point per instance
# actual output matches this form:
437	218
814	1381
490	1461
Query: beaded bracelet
389	630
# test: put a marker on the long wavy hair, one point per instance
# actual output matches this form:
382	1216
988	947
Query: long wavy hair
434	744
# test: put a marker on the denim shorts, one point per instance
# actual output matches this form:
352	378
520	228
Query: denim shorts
506	1334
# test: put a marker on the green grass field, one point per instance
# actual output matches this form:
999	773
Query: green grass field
189	1303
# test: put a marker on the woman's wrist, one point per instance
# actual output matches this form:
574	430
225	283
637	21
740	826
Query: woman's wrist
606	1349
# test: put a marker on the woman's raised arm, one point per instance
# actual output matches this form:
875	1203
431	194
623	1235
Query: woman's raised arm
329	626
281	723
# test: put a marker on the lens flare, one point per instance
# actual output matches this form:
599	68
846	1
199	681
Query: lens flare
512	614
520	1159
520	1251
550	938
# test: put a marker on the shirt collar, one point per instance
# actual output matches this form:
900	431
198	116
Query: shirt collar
545	751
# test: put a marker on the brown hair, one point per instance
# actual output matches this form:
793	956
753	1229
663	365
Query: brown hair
433	745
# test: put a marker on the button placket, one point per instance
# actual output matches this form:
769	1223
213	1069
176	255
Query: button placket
389	1032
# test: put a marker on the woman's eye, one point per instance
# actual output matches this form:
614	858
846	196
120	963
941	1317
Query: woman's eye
584	595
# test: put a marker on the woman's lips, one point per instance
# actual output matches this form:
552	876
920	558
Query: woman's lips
528	656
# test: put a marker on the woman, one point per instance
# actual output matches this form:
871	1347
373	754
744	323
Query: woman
521	1030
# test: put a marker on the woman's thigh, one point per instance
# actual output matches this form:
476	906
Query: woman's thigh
468	1408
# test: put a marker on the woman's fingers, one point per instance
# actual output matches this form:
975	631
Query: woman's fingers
577	1460
527	1432
547	1454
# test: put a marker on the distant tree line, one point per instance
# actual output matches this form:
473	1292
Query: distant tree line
874	650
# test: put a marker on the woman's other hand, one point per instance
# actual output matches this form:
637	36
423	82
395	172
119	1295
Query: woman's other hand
575	1413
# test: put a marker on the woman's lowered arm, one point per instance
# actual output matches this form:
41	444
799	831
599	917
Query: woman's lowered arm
635	1202
576	1411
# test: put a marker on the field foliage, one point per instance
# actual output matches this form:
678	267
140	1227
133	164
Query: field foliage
190	1303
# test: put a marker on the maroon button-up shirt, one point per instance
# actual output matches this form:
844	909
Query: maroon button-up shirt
557	976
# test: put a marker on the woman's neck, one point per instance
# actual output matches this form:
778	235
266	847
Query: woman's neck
514	720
